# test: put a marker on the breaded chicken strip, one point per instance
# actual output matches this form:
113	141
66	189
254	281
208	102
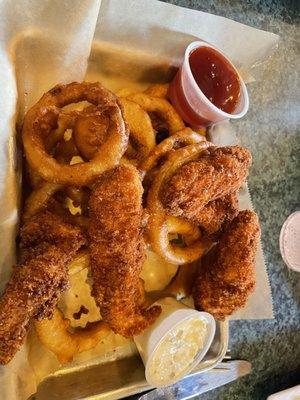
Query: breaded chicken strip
215	216
33	289
117	251
218	172
227	276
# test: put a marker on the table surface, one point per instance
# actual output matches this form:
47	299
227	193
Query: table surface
271	131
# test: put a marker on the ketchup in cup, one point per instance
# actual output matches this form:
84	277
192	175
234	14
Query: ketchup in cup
207	88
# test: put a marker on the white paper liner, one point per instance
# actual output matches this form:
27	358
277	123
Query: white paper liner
48	42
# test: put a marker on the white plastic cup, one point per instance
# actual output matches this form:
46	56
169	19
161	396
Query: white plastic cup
192	104
289	241
173	313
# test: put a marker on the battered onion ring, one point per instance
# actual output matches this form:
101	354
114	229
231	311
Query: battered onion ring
158	90
161	107
183	227
183	137
124	92
200	131
140	127
42	118
38	199
34	178
158	229
55	335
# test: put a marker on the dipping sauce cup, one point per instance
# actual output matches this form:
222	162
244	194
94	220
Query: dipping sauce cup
207	87
175	343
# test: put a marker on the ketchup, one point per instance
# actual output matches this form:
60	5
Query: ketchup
216	78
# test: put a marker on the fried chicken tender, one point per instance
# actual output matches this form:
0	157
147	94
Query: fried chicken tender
218	172
117	251
33	289
215	216
227	276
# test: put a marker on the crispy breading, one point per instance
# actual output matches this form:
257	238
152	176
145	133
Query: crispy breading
227	276
215	216
33	289
218	172
117	251
46	229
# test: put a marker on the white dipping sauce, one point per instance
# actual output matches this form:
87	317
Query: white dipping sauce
177	350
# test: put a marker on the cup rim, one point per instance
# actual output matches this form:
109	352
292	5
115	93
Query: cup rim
201	43
281	241
199	356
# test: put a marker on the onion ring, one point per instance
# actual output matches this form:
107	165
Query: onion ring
55	335
42	198
124	92
162	107
140	127
183	227
42	118
184	137
158	222
158	90
39	198
200	131
34	178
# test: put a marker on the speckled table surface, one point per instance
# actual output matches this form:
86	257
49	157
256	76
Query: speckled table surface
272	132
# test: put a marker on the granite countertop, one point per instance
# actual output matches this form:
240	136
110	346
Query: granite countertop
271	131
